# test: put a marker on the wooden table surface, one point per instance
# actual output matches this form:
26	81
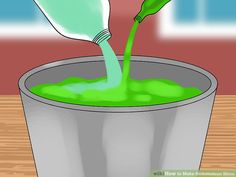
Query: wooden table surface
16	156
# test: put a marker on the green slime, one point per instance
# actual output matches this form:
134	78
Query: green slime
136	93
116	89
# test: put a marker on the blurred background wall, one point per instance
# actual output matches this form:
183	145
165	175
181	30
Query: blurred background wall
201	32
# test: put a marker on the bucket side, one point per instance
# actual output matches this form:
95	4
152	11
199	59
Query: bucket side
185	136
54	139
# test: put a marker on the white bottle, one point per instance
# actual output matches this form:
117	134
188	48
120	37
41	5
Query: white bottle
78	19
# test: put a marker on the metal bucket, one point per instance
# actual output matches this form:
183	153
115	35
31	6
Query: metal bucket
86	141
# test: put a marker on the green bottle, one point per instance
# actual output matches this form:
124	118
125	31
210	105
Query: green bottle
150	7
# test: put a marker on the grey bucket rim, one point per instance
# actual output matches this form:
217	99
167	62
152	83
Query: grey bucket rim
109	109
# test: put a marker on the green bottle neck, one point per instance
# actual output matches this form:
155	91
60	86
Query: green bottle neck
138	18
150	7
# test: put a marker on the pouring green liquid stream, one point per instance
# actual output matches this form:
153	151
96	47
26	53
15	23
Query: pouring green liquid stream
128	53
149	7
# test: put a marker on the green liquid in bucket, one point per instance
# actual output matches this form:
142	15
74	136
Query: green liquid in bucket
136	93
116	89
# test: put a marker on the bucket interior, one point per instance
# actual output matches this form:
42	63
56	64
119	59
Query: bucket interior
140	69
